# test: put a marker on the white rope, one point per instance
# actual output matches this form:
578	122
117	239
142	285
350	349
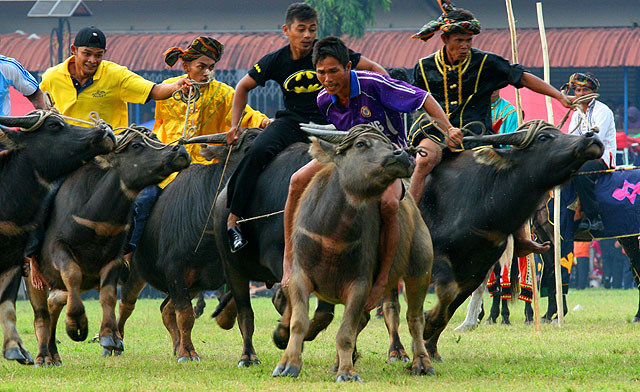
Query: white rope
190	99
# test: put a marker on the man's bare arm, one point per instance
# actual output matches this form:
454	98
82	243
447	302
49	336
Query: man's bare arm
366	64
240	99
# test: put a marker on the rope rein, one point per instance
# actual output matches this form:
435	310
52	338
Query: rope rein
190	99
224	169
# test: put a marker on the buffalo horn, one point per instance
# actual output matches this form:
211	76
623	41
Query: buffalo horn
19	122
514	138
218	138
325	132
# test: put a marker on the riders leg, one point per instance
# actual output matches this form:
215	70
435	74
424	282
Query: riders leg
298	184
389	235
424	165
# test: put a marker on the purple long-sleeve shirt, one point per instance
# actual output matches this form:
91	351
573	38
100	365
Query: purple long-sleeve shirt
374	99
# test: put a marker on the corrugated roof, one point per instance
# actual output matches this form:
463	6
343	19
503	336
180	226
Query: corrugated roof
580	48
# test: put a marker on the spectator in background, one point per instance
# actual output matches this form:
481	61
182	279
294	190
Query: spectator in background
613	262
581	271
503	114
598	115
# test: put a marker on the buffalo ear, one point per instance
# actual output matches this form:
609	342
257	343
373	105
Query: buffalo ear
324	152
6	142
213	152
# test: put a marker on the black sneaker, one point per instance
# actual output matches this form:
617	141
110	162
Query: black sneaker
236	241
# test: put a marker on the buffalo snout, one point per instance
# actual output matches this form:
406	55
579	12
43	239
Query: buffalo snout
104	139
590	147
180	158
400	160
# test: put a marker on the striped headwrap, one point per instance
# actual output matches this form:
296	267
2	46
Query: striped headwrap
447	24
201	46
585	80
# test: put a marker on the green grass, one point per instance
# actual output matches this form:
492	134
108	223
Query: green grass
597	350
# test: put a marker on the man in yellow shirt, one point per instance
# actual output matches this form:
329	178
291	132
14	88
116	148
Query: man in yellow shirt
213	107
212	115
85	82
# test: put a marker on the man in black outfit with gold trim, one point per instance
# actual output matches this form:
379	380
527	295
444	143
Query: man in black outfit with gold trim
462	79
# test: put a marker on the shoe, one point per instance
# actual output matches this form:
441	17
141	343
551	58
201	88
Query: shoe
591	224
236	241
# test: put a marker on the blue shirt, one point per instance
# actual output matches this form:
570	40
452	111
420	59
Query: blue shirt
376	100
14	74
503	110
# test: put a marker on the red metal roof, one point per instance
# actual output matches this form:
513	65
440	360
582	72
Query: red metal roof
588	47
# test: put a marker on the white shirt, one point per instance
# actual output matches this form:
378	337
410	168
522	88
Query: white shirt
13	74
598	115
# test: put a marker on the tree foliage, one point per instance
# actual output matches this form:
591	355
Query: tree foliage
350	17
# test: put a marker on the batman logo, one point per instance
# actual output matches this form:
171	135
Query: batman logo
303	82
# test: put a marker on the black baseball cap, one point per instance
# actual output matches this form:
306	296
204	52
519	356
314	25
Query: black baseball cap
91	37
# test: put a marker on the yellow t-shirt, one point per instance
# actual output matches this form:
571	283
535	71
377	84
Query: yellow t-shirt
113	86
212	115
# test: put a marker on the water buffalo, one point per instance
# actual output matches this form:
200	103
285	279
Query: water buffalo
473	200
30	162
87	229
336	247
261	259
166	256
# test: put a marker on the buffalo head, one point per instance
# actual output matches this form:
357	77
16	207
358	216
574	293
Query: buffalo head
367	164
142	160
55	147
550	155
218	150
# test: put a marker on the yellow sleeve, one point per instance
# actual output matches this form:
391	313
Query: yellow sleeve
253	118
134	88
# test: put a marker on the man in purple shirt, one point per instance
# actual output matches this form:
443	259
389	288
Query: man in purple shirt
351	98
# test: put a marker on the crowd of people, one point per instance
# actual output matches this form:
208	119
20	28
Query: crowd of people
455	86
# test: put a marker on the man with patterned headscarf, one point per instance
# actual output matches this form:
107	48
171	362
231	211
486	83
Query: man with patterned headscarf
596	115
212	115
462	79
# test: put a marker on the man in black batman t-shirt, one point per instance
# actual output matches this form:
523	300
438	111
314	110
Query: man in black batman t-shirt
292	69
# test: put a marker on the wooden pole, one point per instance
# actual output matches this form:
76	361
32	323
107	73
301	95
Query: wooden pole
530	259
514	53
557	240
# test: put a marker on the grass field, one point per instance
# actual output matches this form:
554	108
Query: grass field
597	349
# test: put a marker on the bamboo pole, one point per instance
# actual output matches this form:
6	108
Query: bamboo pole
514	54
530	259
557	240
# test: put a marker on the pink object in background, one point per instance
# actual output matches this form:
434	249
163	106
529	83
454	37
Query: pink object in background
20	105
535	107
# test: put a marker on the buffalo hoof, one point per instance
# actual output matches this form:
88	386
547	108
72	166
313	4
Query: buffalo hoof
348	377
281	336
489	322
420	368
636	319
248	362
78	328
506	322
187	358
398	355
22	356
435	357
290	370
